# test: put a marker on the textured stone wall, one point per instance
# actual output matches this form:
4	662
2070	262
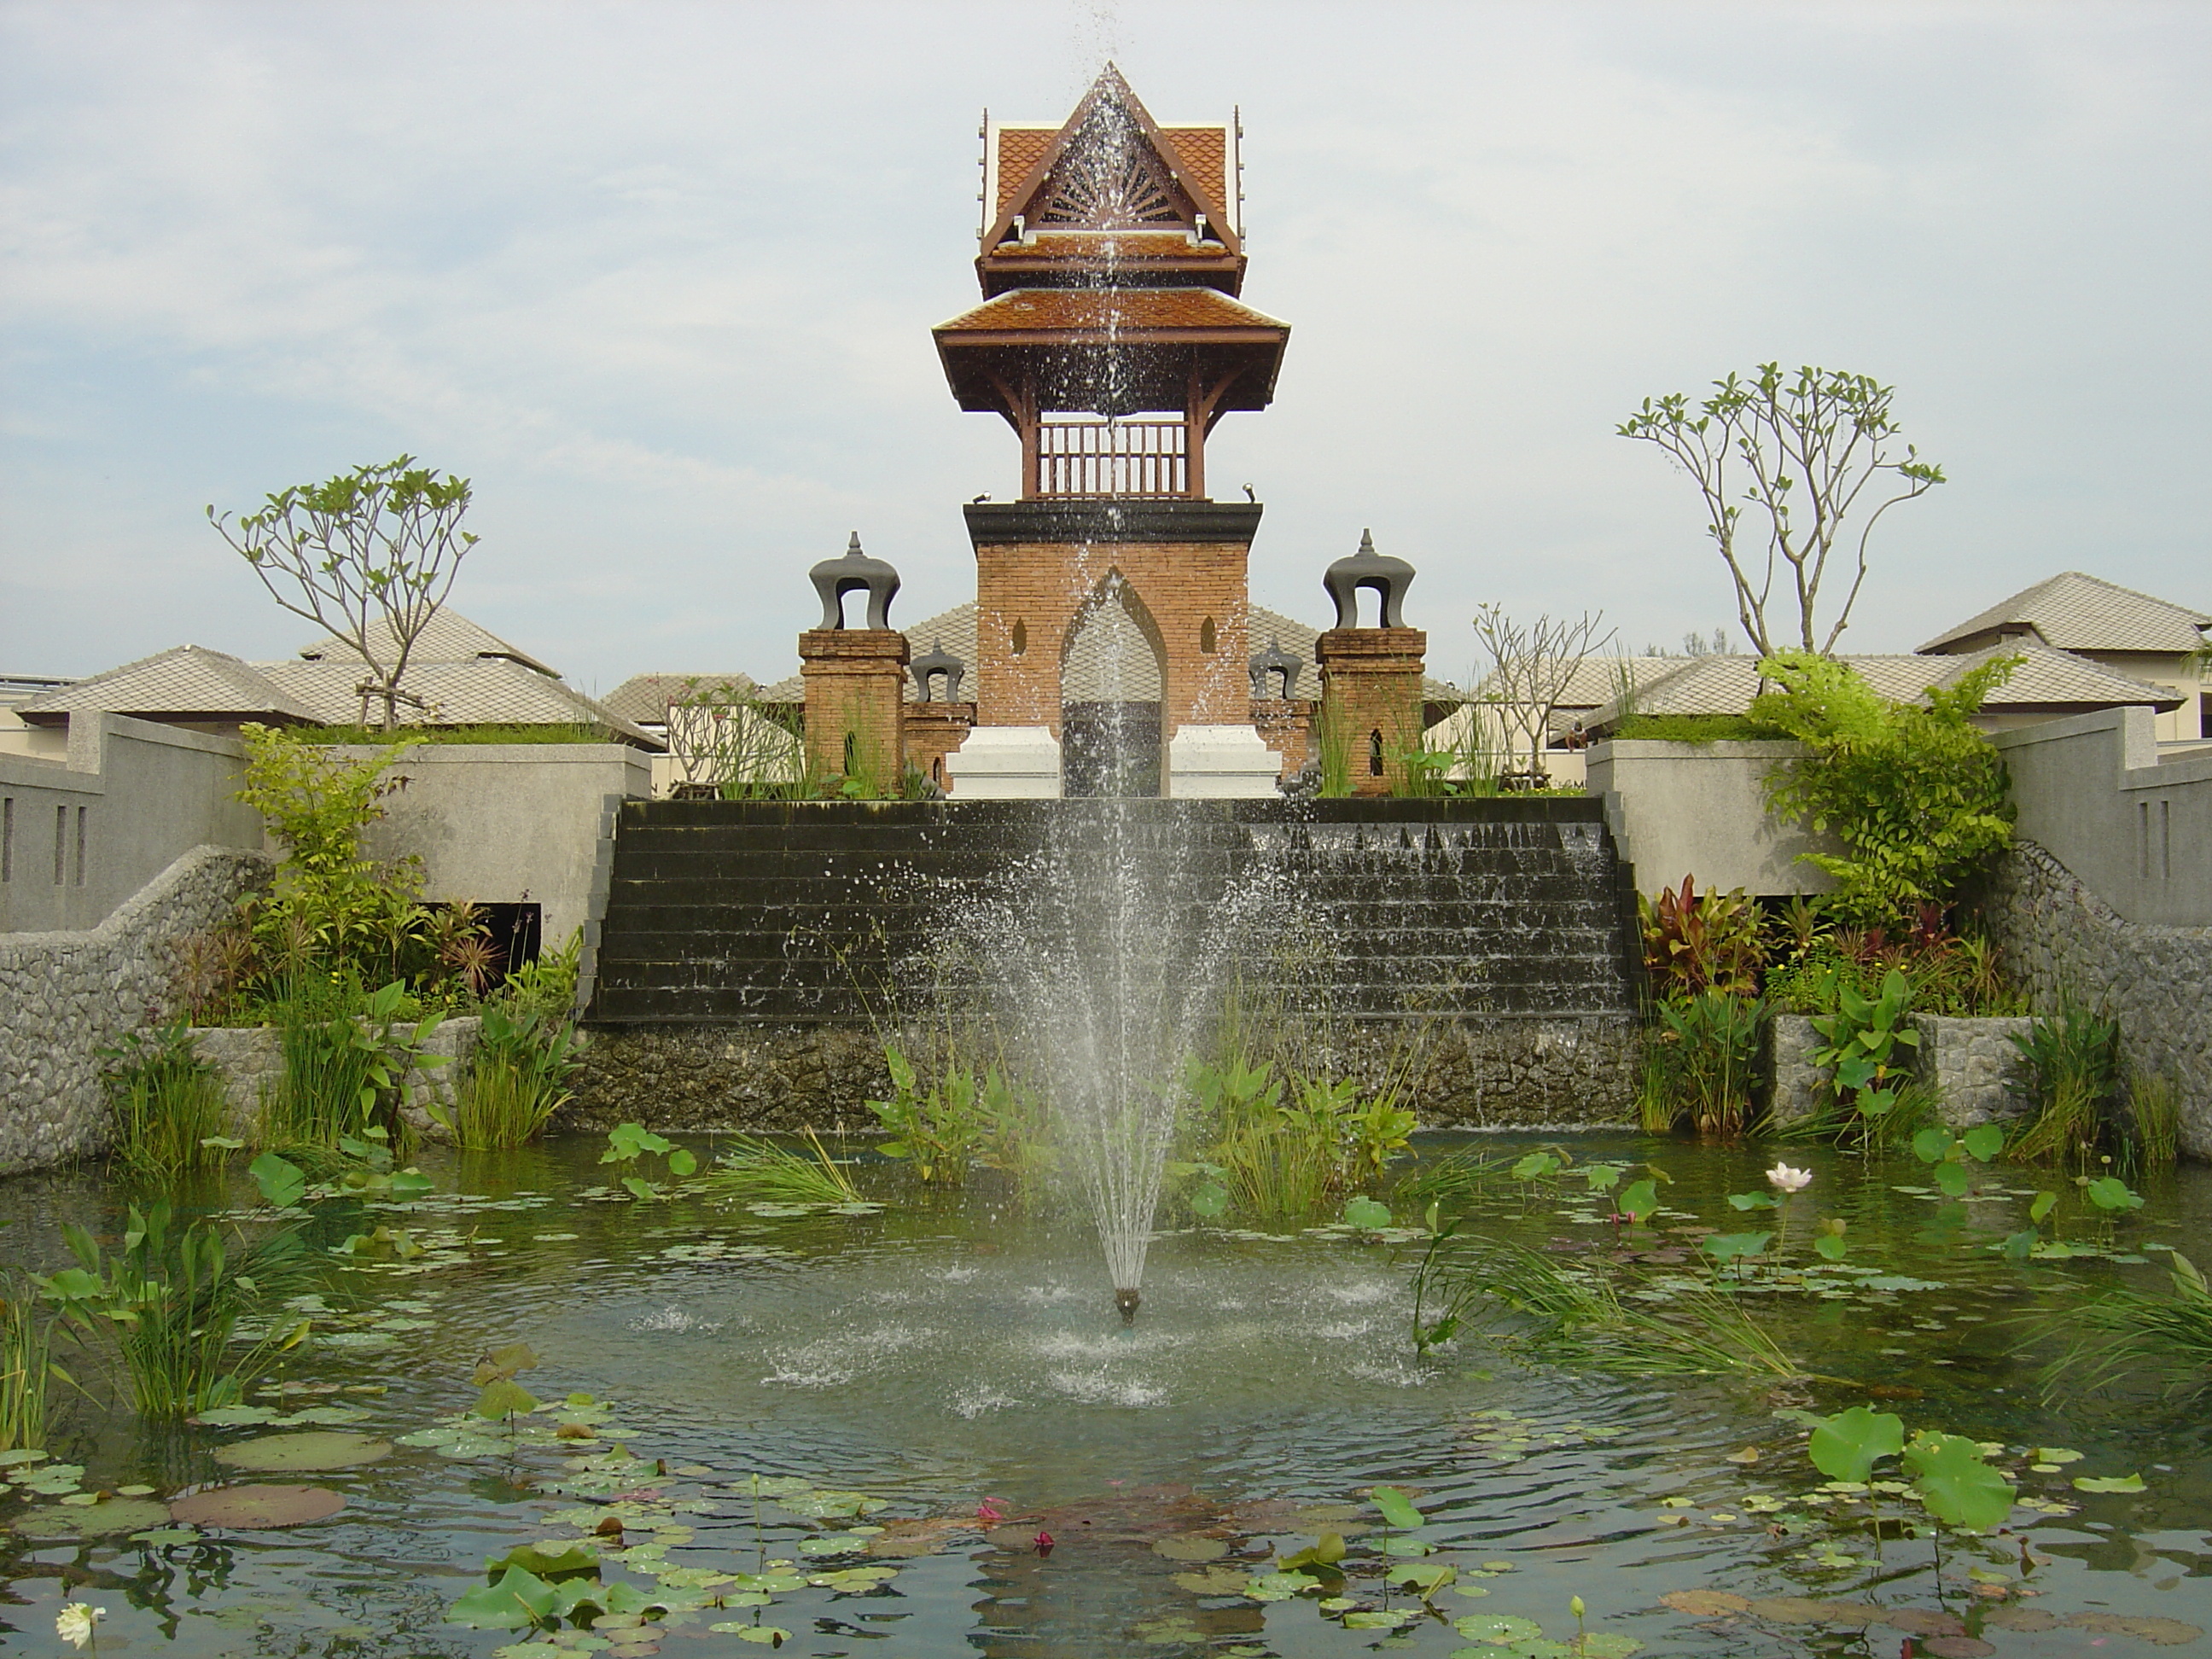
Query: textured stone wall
250	1060
2060	940
65	996
1453	1072
1977	1072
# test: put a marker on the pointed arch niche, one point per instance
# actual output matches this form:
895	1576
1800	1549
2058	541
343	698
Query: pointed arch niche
1113	678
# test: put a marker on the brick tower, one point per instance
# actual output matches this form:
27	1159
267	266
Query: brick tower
1112	638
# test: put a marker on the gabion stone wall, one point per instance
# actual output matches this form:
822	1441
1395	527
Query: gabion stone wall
1977	1072
1454	1073
2061	941
65	996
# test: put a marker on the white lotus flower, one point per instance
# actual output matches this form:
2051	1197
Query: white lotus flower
74	1623
1789	1180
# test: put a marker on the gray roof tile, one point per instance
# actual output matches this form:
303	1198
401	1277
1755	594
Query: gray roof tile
2077	612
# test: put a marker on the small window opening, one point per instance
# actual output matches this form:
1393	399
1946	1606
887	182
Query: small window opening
852	751
60	845
7	838
81	812
1021	638
1207	639
937	770
1375	754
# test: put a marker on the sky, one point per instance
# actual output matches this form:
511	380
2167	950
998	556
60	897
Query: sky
659	277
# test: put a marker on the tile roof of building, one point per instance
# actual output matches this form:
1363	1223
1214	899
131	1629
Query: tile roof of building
450	637
1128	310
2048	681
1203	150
2078	613
184	680
190	682
645	698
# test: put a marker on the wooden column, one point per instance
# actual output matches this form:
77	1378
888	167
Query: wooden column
1370	700
856	702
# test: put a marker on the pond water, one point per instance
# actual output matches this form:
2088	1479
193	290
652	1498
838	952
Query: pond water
889	1374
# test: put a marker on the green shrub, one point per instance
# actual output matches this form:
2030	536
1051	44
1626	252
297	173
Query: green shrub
346	1054
168	1104
1694	941
1917	795
1698	729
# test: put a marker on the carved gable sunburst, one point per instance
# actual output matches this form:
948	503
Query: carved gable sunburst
1110	178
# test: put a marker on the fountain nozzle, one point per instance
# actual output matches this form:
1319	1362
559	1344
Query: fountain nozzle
1126	1301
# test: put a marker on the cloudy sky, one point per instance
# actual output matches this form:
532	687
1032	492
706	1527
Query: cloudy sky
659	277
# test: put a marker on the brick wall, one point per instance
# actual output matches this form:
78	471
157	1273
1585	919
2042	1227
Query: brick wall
934	730
856	687
1370	680
1286	725
1176	587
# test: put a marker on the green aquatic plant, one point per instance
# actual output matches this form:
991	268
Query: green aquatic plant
1956	1156
1705	1053
26	1367
629	1143
2154	1139
1578	1320
760	1169
168	1104
348	1054
171	1299
517	1080
1863	1041
2074	1058
938	1129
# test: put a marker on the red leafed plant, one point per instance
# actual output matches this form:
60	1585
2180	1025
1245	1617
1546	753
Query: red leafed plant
1696	941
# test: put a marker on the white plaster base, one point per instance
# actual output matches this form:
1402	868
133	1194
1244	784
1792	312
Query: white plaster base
1005	762
1221	763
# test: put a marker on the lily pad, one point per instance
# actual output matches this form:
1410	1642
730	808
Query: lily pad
1497	1630
100	1520
1810	1610
254	1508
330	1449
2108	1483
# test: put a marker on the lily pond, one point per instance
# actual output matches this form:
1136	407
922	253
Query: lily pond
548	1416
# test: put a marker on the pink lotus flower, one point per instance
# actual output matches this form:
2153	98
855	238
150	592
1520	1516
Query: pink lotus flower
1044	1543
989	1513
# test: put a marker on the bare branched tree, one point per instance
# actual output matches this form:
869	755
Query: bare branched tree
368	556
1533	668
1811	450
726	740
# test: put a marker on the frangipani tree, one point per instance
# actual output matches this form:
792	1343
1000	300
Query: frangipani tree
368	555
1803	452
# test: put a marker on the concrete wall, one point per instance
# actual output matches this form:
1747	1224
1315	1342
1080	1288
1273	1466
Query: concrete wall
517	823
2093	792
1679	809
65	996
144	795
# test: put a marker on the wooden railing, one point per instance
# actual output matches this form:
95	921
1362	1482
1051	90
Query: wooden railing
1112	458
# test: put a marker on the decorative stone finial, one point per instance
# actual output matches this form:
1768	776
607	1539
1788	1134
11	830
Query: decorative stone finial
938	661
1388	577
1272	661
833	579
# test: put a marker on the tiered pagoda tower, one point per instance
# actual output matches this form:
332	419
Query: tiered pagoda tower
1112	641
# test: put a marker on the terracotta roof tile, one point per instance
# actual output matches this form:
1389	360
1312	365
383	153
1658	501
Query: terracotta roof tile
1070	310
1204	151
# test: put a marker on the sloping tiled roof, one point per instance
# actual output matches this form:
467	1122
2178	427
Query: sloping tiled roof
486	691
1127	310
1596	679
1203	150
646	698
2048	681
187	680
450	637
2078	613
